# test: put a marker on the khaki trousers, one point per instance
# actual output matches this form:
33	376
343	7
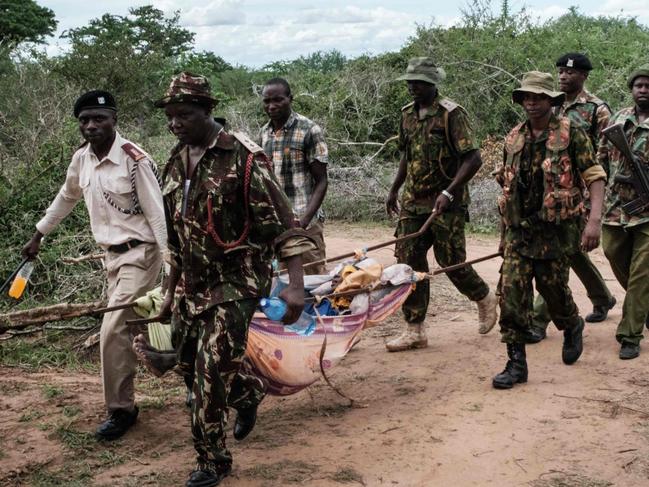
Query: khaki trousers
316	232
627	250
130	275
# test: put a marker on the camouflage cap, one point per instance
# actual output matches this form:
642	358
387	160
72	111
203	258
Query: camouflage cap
423	69
188	88
539	83
641	71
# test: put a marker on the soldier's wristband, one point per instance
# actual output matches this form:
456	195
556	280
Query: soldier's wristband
448	195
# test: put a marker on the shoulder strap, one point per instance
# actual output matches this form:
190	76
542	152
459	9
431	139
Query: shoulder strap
134	152
405	107
248	143
593	120
448	105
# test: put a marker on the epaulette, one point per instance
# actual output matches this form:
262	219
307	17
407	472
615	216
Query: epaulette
134	152
448	105
248	143
405	107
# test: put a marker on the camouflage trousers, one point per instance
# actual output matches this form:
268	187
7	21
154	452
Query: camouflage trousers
516	293
211	348
446	236
591	278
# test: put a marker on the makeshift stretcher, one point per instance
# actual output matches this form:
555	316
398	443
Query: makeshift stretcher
290	362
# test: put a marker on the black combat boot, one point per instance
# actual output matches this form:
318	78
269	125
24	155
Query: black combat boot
573	343
515	370
245	422
600	313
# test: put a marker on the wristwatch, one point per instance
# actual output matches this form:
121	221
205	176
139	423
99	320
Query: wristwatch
448	195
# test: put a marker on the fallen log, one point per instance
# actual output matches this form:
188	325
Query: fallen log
62	311
82	258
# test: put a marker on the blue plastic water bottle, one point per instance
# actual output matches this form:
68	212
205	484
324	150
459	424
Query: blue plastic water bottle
275	309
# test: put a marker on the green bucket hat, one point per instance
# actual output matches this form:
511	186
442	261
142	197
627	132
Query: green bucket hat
539	83
641	71
423	69
188	88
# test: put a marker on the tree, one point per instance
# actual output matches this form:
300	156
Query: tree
132	56
25	21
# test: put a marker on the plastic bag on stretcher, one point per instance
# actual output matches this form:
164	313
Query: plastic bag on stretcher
290	362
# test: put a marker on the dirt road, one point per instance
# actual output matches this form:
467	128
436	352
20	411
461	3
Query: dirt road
431	417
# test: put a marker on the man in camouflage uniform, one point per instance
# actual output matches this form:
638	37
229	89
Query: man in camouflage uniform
227	218
548	159
592	114
439	156
625	237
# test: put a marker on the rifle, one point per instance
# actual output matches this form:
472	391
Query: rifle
639	177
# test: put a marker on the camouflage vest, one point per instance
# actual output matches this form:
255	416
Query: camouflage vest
562	195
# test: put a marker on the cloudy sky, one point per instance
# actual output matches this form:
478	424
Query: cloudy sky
256	32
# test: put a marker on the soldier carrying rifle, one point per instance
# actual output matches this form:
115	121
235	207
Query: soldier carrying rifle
625	233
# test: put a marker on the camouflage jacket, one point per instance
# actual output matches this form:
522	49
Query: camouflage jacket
588	112
433	143
532	236
211	273
618	194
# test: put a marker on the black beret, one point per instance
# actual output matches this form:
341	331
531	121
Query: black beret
574	60
94	99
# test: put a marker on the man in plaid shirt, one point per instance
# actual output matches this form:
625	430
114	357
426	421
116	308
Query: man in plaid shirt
299	153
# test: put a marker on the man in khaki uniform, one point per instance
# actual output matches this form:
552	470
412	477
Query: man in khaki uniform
118	182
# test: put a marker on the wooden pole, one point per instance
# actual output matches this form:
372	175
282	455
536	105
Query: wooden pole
419	232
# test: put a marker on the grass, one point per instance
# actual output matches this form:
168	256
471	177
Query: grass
53	349
50	391
346	475
74	439
66	477
31	415
569	480
71	411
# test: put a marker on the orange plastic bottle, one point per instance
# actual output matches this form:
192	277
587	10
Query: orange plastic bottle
20	281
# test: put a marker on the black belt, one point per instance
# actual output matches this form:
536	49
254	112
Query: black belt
124	247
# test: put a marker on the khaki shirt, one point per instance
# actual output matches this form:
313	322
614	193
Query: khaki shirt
90	178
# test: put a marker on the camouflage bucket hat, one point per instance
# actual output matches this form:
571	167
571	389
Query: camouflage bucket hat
641	71
540	84
423	69
188	88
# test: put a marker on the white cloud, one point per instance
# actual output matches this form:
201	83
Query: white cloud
285	35
626	8
345	15
216	12
548	12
